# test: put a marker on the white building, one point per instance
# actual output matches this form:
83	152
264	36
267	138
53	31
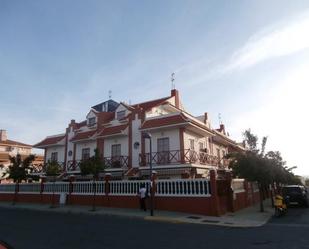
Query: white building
10	148
182	145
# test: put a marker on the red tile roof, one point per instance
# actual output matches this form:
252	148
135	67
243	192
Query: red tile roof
11	142
105	117
113	130
81	124
172	120
49	141
150	104
83	135
163	121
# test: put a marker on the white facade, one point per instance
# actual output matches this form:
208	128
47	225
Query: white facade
172	134
197	139
122	140
136	141
92	145
163	118
70	146
60	150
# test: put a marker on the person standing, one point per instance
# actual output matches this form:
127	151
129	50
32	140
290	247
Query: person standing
142	197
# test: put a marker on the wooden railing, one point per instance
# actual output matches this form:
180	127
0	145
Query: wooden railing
116	162
41	168
181	157
73	165
109	162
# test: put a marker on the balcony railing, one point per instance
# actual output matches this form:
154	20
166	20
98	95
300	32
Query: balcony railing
181	157
116	162
109	162
41	168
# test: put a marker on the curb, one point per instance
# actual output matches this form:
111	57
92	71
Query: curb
164	219
177	220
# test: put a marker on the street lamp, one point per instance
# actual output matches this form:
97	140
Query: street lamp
147	135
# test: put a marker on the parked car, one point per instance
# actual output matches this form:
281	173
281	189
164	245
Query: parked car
295	194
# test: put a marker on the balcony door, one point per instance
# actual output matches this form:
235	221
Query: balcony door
163	149
116	155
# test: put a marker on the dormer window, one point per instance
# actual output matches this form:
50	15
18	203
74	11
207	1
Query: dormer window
91	121
120	115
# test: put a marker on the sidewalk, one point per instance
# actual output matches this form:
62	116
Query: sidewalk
248	217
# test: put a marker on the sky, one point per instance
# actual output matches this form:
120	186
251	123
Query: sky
247	60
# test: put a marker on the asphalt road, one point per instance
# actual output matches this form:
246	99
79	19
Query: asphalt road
47	230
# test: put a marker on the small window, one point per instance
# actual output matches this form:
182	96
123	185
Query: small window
54	156
85	153
121	114
91	121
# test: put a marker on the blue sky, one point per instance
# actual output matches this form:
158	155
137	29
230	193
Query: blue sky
247	60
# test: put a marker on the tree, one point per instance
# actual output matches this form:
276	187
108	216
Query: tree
53	168
255	165
94	165
19	169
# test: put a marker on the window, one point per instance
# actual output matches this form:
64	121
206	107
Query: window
191	144
54	156
163	146
85	153
116	150
121	114
91	121
201	146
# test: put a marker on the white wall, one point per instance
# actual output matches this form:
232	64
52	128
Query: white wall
172	134
222	149
136	137
123	140
197	139
156	111
60	149
70	145
91	114
15	150
92	145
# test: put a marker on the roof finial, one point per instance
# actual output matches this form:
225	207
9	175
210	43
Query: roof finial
172	80
109	94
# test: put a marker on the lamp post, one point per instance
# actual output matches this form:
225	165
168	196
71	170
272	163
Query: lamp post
148	136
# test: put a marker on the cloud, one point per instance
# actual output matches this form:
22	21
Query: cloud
281	115
277	40
280	39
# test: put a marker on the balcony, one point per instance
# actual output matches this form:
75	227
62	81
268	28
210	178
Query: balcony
39	169
117	162
181	157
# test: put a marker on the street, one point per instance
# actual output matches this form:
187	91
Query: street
46	230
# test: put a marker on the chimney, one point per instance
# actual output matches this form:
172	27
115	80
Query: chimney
222	128
3	135
205	117
175	93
